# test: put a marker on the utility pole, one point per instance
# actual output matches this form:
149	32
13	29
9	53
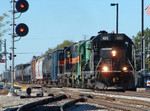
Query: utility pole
5	54
143	39
12	56
21	29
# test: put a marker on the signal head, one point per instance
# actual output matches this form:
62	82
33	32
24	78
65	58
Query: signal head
22	29
22	6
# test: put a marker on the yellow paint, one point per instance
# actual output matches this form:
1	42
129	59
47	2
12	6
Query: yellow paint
22	87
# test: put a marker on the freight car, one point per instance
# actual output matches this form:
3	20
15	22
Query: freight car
41	69
103	61
23	72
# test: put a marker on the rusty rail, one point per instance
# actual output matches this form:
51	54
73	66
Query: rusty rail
41	102
70	103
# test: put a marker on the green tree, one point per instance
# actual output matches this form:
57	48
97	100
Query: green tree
138	43
66	43
3	24
49	51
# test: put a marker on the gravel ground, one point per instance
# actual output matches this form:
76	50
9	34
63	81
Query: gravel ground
8	102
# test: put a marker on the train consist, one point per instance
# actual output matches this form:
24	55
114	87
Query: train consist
103	61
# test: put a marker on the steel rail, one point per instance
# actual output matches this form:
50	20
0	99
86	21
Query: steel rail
115	105
70	103
41	102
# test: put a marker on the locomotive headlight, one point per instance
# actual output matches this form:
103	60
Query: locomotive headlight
114	53
124	68
105	68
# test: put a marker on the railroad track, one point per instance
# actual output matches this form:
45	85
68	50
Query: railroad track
48	104
131	101
115	92
119	102
126	93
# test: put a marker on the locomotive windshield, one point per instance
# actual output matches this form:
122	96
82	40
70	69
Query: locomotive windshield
105	53
108	53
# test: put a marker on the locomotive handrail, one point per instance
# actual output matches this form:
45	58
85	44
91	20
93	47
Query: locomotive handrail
131	65
98	65
86	62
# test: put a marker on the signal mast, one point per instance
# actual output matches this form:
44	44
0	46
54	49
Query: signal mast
20	30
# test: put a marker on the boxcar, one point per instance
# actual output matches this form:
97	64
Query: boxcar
38	69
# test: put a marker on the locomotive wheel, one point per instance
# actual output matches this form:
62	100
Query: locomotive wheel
78	83
85	83
73	83
68	82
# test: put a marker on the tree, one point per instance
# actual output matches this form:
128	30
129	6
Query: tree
3	24
66	43
49	51
137	44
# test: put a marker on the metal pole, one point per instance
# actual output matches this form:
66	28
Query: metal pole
117	6
13	34
142	62
143	38
5	53
117	15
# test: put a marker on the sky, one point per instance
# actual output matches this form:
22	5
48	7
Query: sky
51	22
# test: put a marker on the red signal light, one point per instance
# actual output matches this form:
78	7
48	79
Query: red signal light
21	29
22	5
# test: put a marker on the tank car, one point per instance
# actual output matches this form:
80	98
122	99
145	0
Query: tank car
22	72
18	73
46	68
27	74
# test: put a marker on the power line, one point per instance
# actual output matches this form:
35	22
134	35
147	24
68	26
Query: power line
29	52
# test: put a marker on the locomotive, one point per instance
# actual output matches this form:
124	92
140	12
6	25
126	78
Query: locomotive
103	61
